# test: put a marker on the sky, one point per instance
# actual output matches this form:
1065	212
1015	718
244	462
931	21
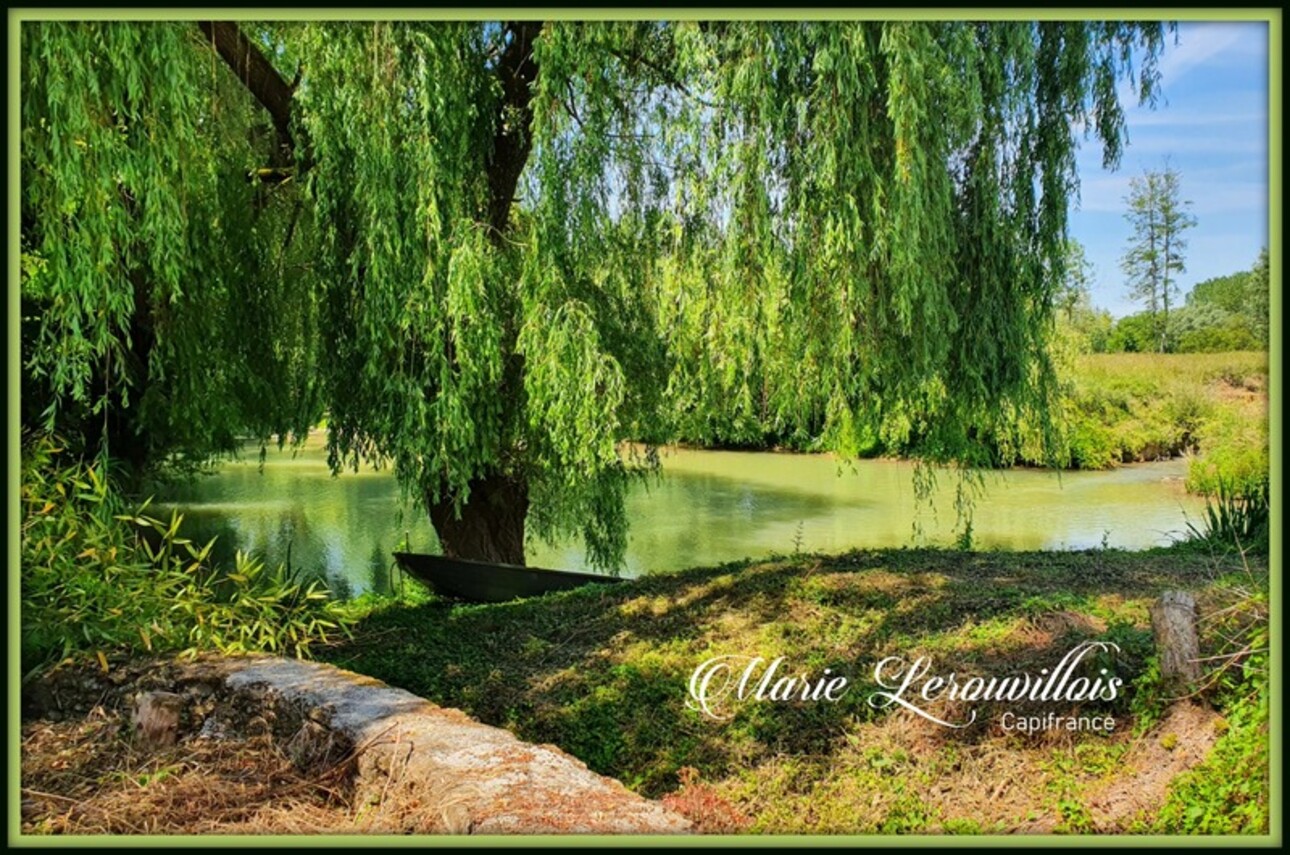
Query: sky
1211	122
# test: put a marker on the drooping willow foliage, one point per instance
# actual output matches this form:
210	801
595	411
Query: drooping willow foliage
519	246
897	198
166	301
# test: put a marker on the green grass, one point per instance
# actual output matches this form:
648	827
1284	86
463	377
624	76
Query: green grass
1224	795
602	673
1128	407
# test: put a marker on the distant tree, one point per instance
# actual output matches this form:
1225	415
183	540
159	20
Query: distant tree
1155	255
1225	292
1133	334
1227	312
1095	326
1257	290
1209	328
1073	290
1088	327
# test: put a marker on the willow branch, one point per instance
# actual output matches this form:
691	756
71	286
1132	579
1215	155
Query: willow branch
260	78
512	140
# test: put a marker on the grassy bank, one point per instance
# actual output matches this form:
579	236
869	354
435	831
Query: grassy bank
1129	407
602	673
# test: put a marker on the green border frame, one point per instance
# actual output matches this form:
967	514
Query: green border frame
1271	16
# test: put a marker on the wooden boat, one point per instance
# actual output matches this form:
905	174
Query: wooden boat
483	582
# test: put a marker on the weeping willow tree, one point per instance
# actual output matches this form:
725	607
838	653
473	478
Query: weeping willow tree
523	243
166	301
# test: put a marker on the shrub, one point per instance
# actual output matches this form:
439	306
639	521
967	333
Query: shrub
1236	518
97	578
1234	455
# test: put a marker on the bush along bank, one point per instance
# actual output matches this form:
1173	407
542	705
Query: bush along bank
102	578
1113	409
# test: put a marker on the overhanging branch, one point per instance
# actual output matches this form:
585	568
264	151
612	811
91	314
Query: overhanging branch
260	78
517	69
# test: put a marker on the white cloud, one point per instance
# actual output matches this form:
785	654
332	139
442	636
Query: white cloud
1106	194
1210	140
1197	43
1164	118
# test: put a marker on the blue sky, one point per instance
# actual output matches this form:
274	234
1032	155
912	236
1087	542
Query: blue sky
1212	123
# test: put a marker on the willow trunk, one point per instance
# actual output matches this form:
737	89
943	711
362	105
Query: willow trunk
488	526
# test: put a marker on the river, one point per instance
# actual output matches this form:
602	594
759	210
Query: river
708	507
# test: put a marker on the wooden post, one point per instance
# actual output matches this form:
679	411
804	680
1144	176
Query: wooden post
1173	623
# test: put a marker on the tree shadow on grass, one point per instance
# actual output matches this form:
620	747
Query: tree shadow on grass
603	671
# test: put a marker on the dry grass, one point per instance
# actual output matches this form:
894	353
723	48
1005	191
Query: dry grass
90	776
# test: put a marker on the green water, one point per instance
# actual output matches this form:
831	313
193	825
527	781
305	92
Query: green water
709	507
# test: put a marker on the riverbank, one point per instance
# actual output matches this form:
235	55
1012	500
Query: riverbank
1118	408
1212	407
603	672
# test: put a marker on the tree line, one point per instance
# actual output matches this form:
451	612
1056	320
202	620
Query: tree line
1224	313
1220	314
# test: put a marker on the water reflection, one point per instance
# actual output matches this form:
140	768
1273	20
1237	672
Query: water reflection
710	506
